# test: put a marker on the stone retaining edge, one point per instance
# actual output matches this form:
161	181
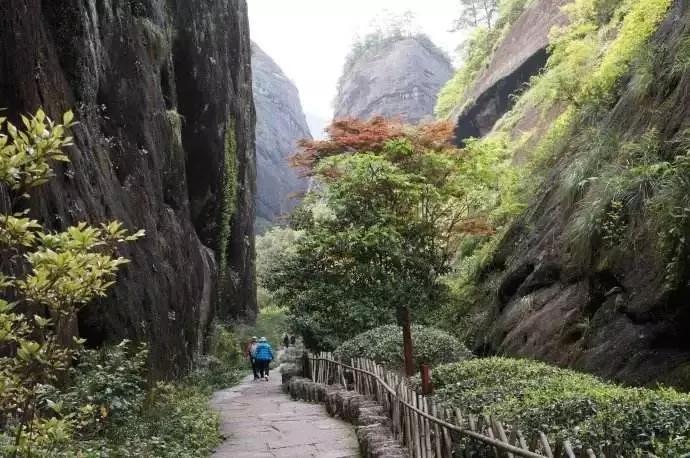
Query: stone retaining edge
372	424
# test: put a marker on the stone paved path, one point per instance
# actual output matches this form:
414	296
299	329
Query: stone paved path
260	421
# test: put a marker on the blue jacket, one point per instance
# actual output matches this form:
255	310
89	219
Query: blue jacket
263	352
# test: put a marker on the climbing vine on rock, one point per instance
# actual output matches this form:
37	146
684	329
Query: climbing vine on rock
229	203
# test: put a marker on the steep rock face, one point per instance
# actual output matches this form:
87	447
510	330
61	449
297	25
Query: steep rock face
158	87
617	318
398	78
520	55
280	124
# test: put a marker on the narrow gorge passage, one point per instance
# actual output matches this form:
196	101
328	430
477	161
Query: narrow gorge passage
259	421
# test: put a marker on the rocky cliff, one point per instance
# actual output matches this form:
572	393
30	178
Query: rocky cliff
520	55
594	273
397	77
280	124
165	142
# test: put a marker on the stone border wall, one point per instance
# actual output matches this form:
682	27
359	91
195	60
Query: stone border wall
372	424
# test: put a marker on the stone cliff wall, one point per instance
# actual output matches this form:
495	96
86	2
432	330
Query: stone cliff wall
521	54
617	317
399	78
280	124
159	89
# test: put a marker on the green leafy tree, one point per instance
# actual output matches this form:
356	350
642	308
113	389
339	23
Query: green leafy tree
381	229
45	278
476	13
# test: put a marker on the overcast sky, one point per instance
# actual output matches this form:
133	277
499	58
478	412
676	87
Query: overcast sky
310	39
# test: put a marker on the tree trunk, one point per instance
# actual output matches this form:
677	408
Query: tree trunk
407	342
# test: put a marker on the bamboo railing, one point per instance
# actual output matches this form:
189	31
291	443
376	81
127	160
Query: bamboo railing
427	430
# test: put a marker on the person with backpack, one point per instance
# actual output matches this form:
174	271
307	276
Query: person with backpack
264	356
250	353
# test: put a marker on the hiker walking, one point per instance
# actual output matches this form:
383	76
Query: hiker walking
264	356
286	341
250	353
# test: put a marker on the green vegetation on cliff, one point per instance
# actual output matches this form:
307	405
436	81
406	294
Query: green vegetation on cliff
614	178
475	53
228	207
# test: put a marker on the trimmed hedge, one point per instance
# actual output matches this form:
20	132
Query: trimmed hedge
385	346
569	405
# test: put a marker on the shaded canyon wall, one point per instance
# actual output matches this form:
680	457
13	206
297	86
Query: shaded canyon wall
162	92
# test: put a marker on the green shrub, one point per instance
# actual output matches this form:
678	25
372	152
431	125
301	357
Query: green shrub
46	278
385	346
222	366
108	410
568	405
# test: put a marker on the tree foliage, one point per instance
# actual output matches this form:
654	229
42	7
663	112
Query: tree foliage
476	13
45	277
381	227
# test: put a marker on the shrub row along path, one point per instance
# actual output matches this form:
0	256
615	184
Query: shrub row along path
259	421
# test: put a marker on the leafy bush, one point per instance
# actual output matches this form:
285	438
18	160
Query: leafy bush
385	346
222	365
568	405
108	410
45	280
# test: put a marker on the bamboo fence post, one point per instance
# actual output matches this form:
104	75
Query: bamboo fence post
490	432
414	423
437	431
545	445
365	378
406	420
317	368
459	420
323	368
447	437
501	433
424	436
472	419
356	374
420	425
425	424
371	380
327	372
568	449
318	364
382	389
362	377
521	439
374	382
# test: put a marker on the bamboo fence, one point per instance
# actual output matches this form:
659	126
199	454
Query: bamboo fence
425	428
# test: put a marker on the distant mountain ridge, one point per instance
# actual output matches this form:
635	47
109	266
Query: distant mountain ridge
399	78
280	125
